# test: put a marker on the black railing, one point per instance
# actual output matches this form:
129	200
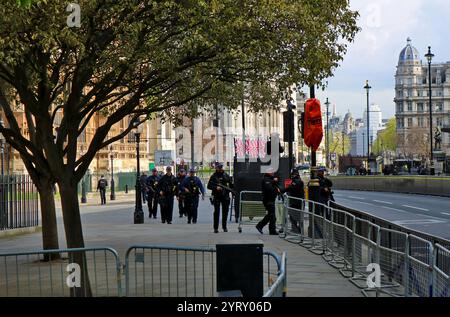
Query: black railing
19	202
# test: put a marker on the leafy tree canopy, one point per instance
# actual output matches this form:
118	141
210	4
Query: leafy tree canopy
139	57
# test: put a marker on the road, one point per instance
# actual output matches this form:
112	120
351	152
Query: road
428	214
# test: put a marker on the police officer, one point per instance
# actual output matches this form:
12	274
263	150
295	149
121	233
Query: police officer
151	185
181	195
295	190
101	185
326	193
192	187
167	188
270	191
221	196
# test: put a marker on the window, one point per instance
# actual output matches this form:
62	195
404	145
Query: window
419	93
440	107
410	122
420	122
400	107
420	107
439	122
400	124
410	106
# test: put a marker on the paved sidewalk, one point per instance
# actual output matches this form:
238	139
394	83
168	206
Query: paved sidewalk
112	225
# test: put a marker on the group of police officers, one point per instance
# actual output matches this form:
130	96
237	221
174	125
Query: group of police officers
187	189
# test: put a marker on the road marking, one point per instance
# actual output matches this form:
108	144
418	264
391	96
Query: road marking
395	209
445	213
423	209
418	222
353	197
362	203
383	202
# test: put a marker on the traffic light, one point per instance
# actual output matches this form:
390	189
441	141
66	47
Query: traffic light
288	126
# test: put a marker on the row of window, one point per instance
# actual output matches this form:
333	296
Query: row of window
421	81
420	122
411	93
419	107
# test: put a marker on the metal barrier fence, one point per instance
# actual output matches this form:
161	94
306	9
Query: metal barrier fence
19	202
164	271
410	265
156	271
29	275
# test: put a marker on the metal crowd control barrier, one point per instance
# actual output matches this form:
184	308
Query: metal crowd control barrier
409	265
157	271
251	208
165	271
27	274
441	270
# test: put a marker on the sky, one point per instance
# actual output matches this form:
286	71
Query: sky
385	26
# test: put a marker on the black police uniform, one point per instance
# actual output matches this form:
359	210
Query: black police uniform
101	186
295	190
220	197
168	186
152	195
195	187
270	192
181	197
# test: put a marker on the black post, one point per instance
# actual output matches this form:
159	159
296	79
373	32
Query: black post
243	127
429	57
113	191
290	137
192	145
83	191
367	87
138	213
313	185
327	141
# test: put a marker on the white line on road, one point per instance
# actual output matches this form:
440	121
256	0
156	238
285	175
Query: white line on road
423	209
383	202
445	213
353	197
395	209
362	203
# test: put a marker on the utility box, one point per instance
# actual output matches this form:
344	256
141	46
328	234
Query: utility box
240	268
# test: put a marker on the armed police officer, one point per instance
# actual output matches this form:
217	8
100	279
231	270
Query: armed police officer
270	191
326	193
167	188
151	185
193	188
296	193
181	195
220	184
101	186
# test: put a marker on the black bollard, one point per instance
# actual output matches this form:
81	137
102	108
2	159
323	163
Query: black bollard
126	189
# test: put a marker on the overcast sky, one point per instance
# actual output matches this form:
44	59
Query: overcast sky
386	24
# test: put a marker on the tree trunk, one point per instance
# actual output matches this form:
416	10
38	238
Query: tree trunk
74	235
48	214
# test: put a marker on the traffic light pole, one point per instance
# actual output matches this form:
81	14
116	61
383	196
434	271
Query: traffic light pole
313	185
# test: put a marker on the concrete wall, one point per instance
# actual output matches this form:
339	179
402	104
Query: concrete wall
438	186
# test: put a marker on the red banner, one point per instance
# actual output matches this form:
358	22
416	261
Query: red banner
313	124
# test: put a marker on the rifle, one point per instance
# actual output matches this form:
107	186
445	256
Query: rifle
232	191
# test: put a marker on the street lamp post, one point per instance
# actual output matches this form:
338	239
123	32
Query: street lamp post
327	141
113	191
138	212
429	57
367	88
2	149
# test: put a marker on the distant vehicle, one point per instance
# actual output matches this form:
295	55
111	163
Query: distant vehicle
303	169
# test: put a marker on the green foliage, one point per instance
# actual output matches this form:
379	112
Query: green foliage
339	143
171	57
387	139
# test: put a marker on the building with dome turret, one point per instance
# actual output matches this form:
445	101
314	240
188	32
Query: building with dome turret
412	103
